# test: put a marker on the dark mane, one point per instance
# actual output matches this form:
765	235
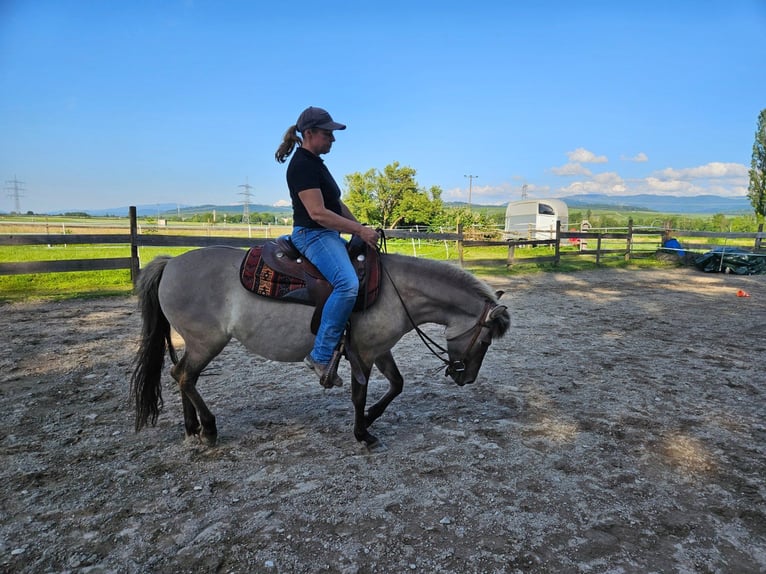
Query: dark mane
451	273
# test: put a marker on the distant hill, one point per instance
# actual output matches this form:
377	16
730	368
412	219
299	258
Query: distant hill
170	209
643	202
662	203
647	202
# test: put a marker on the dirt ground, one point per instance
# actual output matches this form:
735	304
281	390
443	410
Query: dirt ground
618	427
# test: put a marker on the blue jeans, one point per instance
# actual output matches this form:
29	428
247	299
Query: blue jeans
326	249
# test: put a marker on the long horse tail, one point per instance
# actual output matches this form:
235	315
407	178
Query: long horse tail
145	383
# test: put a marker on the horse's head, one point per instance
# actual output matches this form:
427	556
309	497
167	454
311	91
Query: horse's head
466	350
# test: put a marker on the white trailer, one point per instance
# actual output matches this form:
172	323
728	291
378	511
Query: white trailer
535	218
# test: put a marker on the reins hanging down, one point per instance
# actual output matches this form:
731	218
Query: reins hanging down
457	366
427	341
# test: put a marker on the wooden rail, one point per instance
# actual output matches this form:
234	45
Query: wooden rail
584	239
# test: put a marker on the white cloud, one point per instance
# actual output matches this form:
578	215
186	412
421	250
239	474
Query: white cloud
495	194
669	186
714	169
715	178
582	155
609	183
282	203
571	169
640	157
610	180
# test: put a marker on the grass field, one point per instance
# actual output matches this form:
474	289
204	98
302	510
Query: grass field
482	261
67	285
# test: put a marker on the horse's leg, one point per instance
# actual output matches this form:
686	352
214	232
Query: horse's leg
387	366
362	420
359	400
186	373
191	422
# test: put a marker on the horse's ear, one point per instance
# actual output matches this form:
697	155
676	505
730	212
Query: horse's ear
497	311
499	294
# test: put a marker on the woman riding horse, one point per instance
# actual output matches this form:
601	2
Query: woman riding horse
319	217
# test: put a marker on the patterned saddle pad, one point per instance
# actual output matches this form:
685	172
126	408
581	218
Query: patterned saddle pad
261	279
273	271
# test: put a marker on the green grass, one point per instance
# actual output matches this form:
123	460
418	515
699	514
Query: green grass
67	285
74	284
91	284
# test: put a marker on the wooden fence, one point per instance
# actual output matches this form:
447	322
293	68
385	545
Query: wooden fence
590	242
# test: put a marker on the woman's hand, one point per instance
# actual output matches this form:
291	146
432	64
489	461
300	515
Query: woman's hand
370	236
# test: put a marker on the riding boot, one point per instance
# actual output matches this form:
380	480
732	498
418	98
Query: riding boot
330	376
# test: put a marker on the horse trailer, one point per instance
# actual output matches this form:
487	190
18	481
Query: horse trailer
535	218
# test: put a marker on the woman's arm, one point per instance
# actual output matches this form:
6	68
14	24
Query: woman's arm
346	223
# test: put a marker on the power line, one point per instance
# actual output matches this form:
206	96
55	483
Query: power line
14	189
470	188
246	203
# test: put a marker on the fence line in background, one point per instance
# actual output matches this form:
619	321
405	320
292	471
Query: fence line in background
583	240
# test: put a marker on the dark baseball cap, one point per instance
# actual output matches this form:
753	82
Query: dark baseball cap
313	117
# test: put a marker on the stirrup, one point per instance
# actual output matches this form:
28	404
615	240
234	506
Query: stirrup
326	381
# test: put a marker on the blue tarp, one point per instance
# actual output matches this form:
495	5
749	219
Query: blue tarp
674	245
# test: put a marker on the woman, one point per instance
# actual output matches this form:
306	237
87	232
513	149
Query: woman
319	217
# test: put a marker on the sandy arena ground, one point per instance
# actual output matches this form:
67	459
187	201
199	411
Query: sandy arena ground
619	427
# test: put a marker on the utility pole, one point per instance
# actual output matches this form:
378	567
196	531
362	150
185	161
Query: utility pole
246	204
14	189
524	191
470	188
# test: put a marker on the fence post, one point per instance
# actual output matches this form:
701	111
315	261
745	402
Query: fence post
460	243
758	238
629	245
598	249
511	255
557	247
134	263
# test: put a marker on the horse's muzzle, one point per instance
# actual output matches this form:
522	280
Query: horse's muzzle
457	370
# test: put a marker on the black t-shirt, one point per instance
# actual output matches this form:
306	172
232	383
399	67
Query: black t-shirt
308	171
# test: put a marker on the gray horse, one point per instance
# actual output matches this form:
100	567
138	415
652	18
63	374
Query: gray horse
199	294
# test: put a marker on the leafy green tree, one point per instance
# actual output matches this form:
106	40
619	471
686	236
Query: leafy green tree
744	223
203	217
756	191
391	197
719	222
419	207
361	197
470	219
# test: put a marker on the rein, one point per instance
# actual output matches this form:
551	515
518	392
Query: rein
453	367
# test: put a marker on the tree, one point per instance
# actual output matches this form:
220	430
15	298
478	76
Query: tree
756	191
391	197
471	219
419	207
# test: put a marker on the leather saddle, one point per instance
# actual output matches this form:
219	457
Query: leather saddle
279	271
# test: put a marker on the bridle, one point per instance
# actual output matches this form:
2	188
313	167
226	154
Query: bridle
458	366
476	335
453	366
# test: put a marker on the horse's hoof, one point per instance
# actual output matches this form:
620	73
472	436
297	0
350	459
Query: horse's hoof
376	447
209	439
203	439
372	443
192	439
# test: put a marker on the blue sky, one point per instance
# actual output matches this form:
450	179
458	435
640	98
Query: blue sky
106	104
